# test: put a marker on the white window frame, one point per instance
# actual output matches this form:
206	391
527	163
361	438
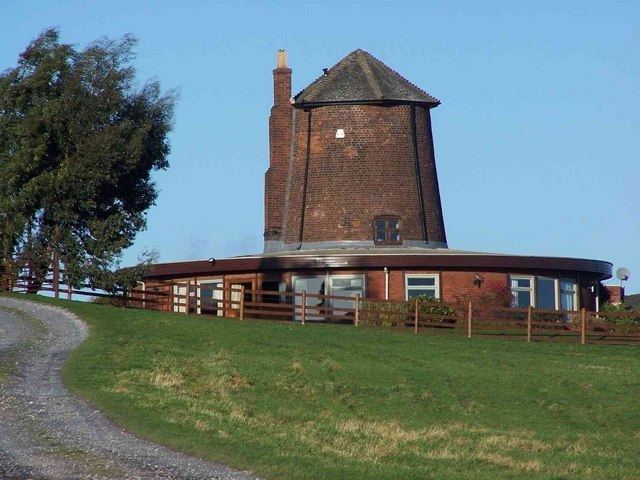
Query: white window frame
576	285
556	295
328	290
179	304
436	284
557	282
342	293
221	292
531	289
297	300
348	276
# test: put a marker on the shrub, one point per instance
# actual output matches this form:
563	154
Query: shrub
629	321
111	301
388	314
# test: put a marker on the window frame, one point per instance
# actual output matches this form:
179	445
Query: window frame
556	294
219	282
436	285
531	289
297	299
560	291
328	290
387	230
180	305
347	276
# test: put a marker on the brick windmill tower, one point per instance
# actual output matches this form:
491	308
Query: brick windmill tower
352	161
352	207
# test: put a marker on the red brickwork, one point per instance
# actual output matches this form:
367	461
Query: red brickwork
455	286
459	286
429	176
279	150
614	294
347	181
375	284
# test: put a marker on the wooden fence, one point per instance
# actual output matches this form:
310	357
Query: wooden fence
416	315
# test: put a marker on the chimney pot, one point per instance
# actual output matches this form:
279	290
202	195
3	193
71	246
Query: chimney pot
281	59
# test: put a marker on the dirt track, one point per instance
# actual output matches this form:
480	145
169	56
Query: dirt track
48	433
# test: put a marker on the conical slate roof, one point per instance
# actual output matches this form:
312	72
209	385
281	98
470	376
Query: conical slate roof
361	78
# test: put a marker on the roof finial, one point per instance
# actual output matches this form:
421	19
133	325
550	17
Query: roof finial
281	59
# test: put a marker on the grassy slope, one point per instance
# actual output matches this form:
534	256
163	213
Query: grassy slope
334	402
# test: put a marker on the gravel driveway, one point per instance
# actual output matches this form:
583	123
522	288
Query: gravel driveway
46	432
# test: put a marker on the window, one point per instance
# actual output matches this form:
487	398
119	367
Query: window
546	293
522	291
346	286
386	230
340	285
312	285
236	293
210	296
568	294
418	285
179	301
274	286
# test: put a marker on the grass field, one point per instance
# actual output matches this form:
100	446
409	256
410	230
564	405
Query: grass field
334	402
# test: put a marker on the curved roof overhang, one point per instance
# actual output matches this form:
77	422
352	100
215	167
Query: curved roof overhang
597	269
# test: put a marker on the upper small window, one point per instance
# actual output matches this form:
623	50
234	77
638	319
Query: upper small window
387	230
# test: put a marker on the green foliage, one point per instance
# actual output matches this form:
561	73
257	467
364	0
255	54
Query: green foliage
124	278
623	318
615	307
323	401
78	144
387	314
111	301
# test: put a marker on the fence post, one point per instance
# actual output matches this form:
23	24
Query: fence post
69	291
583	326
469	317
416	317
186	298
529	323
241	314
303	315
356	317
226	296
56	275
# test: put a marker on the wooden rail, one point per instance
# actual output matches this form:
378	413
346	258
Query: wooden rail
470	319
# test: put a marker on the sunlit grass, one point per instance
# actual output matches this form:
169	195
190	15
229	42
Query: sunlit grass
335	402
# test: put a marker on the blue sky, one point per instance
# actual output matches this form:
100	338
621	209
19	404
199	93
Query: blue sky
537	138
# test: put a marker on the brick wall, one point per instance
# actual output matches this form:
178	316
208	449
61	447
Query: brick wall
370	172
455	286
279	150
614	294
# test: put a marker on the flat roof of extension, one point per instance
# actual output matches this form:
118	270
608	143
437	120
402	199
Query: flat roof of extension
380	257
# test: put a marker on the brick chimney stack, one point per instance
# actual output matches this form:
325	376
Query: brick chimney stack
280	124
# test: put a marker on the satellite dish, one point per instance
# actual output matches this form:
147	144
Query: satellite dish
623	274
